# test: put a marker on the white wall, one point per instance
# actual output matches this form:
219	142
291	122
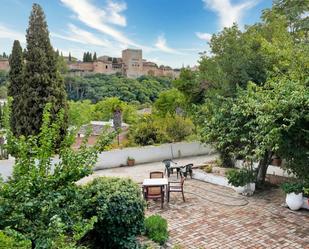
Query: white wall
271	170
148	154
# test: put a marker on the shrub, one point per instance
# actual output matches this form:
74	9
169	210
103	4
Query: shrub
156	229
153	129
290	187
119	207
239	178
207	168
10	239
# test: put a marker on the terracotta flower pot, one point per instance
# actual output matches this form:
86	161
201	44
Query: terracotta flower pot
131	162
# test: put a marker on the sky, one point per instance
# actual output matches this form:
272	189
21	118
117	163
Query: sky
170	32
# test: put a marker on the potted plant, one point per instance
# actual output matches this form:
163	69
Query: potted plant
242	180
294	194
131	161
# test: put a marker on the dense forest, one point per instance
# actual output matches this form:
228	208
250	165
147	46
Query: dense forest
97	87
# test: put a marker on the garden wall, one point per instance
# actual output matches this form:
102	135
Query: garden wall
271	170
148	154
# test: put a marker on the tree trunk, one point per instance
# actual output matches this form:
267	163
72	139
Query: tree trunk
263	166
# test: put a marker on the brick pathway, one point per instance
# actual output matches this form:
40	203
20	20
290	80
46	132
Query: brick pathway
259	221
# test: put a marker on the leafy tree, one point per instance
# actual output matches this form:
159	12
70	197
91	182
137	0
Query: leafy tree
42	81
170	101
263	121
80	112
95	57
42	200
191	86
16	79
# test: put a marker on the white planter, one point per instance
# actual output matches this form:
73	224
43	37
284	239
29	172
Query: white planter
240	189
305	203
252	186
294	201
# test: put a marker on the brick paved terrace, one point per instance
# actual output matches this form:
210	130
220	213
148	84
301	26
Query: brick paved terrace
217	217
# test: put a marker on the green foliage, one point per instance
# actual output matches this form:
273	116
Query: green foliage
80	112
42	82
292	187
239	178
152	129
191	86
156	229
99	86
42	200
119	206
170	101
9	239
16	75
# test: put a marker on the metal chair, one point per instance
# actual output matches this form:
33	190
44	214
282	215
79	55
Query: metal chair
156	174
176	187
187	169
167	163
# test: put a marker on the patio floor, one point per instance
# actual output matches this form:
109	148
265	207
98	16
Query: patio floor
216	217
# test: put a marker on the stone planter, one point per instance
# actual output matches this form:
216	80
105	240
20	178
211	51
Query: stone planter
294	201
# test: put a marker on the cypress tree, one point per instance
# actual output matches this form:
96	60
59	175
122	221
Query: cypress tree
42	81
95	56
84	57
70	57
16	80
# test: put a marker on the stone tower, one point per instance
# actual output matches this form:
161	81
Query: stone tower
133	63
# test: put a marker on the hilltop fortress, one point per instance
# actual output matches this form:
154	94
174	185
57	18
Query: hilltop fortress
131	65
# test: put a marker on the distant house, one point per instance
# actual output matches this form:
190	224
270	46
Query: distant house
97	128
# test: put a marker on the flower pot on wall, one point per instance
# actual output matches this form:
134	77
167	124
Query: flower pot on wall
131	162
294	201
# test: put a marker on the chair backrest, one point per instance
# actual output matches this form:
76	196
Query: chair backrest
154	191
156	174
189	167
167	162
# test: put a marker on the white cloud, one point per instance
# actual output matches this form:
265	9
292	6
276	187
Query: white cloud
114	10
228	12
203	36
76	34
10	34
97	18
162	46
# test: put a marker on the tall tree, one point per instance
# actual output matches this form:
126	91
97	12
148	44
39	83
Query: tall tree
95	57
70	57
42	81
15	87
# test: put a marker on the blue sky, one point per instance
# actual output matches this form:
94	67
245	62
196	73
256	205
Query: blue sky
170	32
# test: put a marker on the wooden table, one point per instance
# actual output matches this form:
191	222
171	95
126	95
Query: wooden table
155	182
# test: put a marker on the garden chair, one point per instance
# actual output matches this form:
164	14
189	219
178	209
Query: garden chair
167	163
154	193
176	187
185	170
156	174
